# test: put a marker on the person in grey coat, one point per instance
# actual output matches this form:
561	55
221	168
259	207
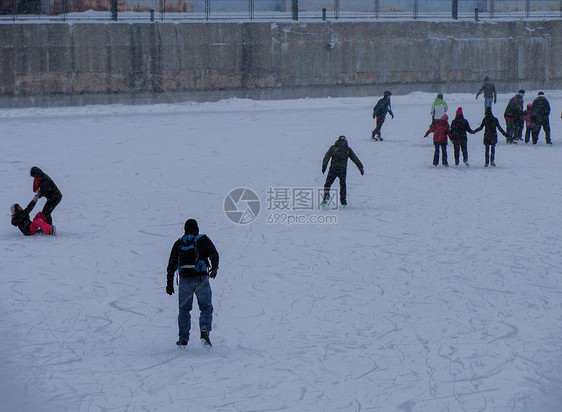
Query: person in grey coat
490	94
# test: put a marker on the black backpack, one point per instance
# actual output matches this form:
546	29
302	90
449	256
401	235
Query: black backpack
189	257
378	109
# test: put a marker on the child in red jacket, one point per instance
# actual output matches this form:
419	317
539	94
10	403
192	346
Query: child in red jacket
530	125
440	131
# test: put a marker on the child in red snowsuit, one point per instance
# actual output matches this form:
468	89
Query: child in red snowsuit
21	219
529	124
441	131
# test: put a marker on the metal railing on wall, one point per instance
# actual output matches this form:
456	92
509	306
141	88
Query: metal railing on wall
128	10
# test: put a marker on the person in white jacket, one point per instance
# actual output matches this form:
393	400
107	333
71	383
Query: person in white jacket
438	108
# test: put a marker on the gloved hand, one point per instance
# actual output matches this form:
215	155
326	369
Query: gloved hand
323	170
170	288
392	115
213	273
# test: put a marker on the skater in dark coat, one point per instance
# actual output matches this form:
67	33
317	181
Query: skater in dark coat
21	219
459	128
379	113
44	186
441	131
539	115
513	116
338	153
490	124
193	279
490	94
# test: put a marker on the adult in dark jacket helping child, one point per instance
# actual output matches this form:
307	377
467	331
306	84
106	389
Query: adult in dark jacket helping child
43	186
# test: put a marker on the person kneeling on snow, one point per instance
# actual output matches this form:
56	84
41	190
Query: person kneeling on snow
21	219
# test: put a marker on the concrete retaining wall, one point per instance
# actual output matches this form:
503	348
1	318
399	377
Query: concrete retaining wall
121	58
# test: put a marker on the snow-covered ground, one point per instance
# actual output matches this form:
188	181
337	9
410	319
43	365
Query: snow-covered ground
437	289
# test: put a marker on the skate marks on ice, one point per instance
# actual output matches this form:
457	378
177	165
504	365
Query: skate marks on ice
465	261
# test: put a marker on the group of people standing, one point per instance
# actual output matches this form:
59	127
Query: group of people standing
535	117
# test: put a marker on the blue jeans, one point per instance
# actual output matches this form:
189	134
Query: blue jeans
200	286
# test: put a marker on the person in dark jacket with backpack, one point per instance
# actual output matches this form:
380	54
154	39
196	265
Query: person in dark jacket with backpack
459	128
379	113
196	259
338	153
44	186
539	115
513	116
490	124
21	219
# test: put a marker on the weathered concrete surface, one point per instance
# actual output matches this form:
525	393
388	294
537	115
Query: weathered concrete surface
123	58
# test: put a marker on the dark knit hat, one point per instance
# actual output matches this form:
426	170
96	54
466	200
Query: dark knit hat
541	93
521	91
35	172
342	137
191	227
